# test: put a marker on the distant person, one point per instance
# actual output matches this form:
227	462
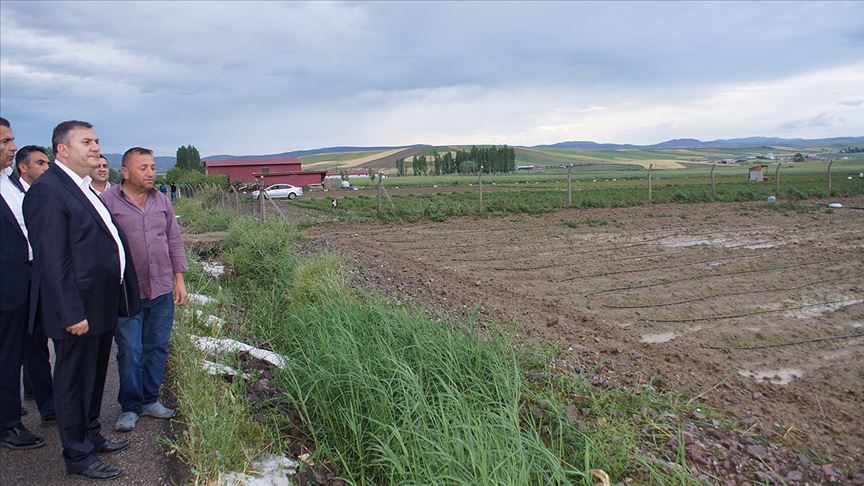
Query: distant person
81	282
163	189
15	261
173	191
99	176
146	216
32	162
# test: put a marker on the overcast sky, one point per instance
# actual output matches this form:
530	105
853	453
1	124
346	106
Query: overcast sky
268	77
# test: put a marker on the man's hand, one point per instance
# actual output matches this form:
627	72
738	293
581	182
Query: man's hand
181	296
79	329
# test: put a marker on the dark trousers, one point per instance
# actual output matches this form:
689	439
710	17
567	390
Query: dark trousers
13	328
79	380
37	371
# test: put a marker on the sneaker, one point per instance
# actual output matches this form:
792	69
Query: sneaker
126	422
156	409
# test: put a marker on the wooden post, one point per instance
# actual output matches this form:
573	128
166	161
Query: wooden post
777	180
570	186
262	194
829	177
650	166
378	195
481	188
713	182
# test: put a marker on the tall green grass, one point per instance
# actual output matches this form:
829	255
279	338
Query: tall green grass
391	397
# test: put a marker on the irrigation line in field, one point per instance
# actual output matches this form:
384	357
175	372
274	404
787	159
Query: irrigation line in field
720	274
792	343
729	294
747	314
636	270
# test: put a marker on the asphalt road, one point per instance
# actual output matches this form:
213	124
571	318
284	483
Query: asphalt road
143	463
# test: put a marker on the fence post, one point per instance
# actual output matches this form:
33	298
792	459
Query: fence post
378	196
713	183
262	194
650	166
481	188
777	180
570	186
829	177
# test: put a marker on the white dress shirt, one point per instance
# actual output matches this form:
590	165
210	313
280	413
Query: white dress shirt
97	191
15	200
84	185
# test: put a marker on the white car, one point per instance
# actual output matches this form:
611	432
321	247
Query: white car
280	191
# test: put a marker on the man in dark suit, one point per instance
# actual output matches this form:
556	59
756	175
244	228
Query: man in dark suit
14	289
79	257
31	162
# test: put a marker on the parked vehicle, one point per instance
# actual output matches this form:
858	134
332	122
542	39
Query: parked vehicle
279	191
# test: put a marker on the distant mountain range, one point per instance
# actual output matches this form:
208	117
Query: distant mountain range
692	143
165	163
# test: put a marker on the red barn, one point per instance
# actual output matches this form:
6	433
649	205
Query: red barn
274	170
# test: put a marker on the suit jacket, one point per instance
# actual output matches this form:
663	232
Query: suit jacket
14	269
75	259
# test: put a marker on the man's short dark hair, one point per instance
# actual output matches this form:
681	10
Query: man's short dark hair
135	151
23	155
4	123
61	132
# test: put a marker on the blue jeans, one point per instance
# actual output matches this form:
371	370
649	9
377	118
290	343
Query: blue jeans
142	350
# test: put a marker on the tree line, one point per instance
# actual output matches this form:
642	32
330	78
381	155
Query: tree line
493	160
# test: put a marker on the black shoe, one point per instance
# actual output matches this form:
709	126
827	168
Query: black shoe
49	420
110	446
99	470
19	437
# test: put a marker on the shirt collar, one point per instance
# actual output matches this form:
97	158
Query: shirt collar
7	171
82	182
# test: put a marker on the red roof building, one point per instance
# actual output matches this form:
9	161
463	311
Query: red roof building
274	170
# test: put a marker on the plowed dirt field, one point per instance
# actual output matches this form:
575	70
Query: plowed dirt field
757	310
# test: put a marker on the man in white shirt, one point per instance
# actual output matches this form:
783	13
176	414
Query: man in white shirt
99	176
32	162
15	257
81	281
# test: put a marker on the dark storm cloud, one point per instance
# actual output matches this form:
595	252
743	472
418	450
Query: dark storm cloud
265	77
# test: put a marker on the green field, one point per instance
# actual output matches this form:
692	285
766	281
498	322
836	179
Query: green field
546	192
337	156
555	156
